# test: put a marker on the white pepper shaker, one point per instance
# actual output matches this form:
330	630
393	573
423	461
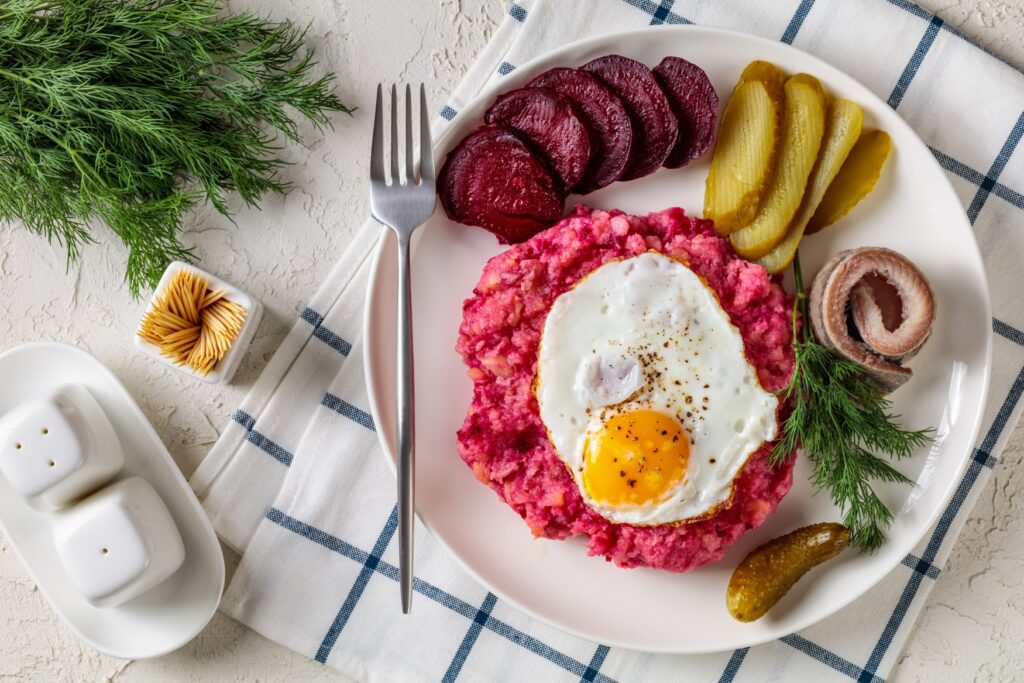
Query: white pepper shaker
118	543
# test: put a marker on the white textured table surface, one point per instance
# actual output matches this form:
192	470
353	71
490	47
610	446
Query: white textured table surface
971	629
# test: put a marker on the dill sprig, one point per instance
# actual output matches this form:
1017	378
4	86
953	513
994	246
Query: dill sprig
131	112
840	421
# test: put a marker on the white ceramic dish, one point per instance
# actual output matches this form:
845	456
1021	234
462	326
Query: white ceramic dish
169	615
913	210
226	368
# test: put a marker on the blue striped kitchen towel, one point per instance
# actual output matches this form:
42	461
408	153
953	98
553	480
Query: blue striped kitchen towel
297	483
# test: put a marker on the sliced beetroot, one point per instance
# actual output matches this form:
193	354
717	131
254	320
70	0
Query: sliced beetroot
607	118
493	180
654	125
695	104
549	123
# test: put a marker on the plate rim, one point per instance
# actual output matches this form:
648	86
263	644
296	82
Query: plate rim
374	394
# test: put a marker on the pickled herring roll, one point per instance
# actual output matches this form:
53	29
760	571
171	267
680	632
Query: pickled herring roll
875	308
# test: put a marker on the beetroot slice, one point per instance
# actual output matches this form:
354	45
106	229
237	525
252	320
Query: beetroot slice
654	125
695	104
607	118
550	124
493	180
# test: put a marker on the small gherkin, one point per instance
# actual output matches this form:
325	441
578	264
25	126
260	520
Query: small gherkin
130	112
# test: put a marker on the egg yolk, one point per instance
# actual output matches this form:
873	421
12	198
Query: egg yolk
635	458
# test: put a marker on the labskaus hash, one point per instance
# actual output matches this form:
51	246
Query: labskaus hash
648	436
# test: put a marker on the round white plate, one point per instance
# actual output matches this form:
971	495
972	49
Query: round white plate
174	612
913	210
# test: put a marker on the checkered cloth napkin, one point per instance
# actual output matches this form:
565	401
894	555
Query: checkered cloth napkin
297	483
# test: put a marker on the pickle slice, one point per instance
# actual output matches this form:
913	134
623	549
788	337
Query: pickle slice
802	129
841	133
774	82
742	161
855	180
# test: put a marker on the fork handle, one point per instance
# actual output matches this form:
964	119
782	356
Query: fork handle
406	424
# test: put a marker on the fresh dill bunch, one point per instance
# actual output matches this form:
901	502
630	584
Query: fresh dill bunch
841	421
132	112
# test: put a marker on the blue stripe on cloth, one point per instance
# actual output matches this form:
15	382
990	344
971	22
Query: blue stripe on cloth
1008	195
434	593
517	12
595	664
245	419
733	665
984	458
323	334
311	317
945	522
248	422
957	167
977	178
1008	331
661	12
674	18
893	625
343	407
482	615
915	62
797	21
505	68
447	113
540	649
921	13
831	659
919	565
356	592
1003	416
914	9
334	341
319	537
998	165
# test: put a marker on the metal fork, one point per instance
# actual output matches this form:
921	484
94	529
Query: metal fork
403	206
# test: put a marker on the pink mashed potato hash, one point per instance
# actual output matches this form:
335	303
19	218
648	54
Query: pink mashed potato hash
503	439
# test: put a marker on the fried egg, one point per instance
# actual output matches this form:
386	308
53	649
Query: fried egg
646	394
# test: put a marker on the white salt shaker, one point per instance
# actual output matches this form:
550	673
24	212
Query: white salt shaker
118	543
59	449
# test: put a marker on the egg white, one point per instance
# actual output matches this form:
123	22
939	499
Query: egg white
646	333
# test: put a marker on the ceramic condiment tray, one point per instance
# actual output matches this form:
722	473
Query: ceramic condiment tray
163	618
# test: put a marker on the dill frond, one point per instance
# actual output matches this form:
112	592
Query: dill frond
841	421
131	112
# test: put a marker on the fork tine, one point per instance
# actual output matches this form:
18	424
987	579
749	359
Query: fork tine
395	178
410	174
426	146
377	147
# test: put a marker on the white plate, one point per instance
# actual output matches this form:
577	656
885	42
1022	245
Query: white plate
168	616
913	210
